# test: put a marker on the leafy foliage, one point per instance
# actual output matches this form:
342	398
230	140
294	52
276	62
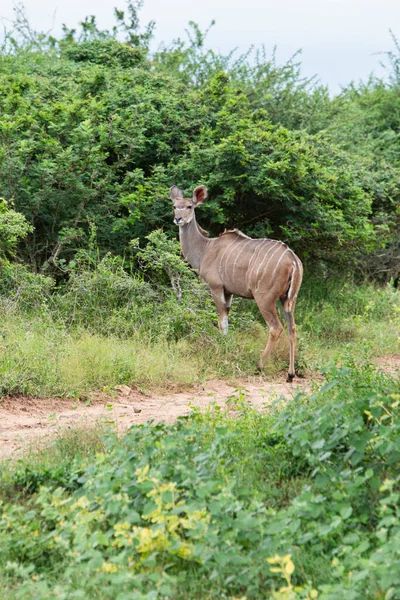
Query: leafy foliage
95	129
13	227
222	505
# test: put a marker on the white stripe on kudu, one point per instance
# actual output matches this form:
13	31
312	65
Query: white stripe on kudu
229	254
265	256
277	264
253	260
293	274
239	253
223	254
266	266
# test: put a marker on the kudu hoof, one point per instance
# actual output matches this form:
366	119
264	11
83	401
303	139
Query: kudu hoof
290	378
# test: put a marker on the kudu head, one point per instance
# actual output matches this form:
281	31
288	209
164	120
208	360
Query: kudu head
184	207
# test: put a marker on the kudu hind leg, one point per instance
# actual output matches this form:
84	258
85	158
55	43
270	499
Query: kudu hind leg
291	325
275	329
228	301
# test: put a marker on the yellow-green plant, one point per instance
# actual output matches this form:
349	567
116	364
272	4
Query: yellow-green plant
284	566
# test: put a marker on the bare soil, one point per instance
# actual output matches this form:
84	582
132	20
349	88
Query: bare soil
24	420
389	364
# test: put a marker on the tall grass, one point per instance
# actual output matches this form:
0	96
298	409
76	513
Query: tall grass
337	315
108	327
40	357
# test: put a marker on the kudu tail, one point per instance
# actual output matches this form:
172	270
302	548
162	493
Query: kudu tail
294	286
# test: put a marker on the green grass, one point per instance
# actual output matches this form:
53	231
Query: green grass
48	351
46	462
195	510
41	359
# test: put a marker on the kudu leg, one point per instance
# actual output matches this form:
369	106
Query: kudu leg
228	302
268	311
223	304
291	325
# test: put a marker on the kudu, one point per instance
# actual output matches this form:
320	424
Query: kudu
234	264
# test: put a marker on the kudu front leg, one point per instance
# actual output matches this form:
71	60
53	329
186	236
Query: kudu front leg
223	308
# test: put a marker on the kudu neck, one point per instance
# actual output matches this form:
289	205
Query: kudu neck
193	243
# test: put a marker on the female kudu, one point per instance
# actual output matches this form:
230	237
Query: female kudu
234	264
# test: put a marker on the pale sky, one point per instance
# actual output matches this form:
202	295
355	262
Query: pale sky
340	39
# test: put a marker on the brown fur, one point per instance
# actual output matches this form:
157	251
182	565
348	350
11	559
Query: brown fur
236	231
235	264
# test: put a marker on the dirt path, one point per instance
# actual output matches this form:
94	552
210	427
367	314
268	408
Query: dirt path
24	420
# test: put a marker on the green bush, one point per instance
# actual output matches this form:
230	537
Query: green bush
106	298
203	508
104	146
23	289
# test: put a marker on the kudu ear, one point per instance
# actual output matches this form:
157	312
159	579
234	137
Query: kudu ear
199	195
175	193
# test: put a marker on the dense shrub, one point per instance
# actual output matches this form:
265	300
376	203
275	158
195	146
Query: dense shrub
196	509
95	130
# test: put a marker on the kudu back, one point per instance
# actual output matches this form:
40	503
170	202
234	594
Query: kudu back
236	265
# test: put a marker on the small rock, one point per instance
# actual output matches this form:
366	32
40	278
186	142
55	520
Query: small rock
124	389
